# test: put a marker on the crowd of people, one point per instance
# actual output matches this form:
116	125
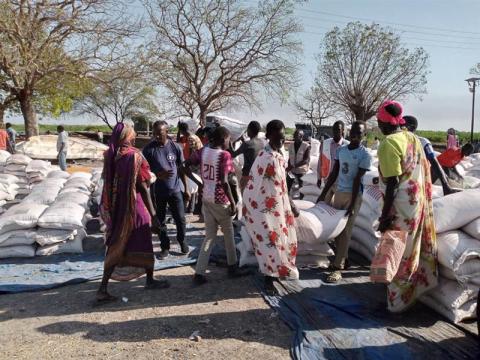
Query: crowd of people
132	208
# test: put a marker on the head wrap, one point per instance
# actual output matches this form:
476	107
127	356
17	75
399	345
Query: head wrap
384	116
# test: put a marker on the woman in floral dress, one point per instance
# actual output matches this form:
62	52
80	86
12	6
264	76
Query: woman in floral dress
407	207
268	212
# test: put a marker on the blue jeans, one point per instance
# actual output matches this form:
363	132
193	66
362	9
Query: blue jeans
177	208
62	160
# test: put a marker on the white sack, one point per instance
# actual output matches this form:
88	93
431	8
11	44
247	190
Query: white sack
303	204
320	223
38	166
371	177
21	216
247	255
52	236
319	249
460	253
58	174
311	190
63	215
20	251
78	198
453	211
4	155
452	299
473	229
8	179
17	237
310	178
466	311
18	159
192	186
81	175
74	246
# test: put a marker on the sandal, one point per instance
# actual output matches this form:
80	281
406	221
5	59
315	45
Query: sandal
157	284
334	277
105	297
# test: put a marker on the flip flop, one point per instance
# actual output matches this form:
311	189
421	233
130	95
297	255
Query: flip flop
106	299
334	277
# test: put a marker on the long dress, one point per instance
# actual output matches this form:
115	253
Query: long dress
401	155
128	236
268	216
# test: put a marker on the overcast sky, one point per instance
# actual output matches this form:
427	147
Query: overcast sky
448	30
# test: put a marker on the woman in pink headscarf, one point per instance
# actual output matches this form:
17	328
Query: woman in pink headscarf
405	172
128	213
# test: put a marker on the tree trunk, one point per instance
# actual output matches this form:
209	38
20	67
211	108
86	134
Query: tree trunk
203	117
29	115
2	115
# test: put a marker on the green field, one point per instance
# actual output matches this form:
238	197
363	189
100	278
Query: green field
437	137
70	128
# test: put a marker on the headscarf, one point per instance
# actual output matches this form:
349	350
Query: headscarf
384	116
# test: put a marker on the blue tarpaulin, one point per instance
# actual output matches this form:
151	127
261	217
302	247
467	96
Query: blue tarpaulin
349	320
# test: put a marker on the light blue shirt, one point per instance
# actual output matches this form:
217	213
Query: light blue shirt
350	162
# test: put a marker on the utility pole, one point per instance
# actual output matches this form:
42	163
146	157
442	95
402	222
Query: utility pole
472	84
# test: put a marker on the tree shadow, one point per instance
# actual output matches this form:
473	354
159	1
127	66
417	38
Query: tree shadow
58	302
217	326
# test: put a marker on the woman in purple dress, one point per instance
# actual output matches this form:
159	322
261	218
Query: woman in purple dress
128	213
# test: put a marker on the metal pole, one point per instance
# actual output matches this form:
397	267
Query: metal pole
473	111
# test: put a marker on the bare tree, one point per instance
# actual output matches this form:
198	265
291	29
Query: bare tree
362	65
116	97
212	53
316	106
39	39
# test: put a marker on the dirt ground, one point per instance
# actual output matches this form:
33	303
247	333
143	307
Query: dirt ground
233	321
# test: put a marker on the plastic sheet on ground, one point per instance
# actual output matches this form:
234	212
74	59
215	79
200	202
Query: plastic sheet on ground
48	272
349	320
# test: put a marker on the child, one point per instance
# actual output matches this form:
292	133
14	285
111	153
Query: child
218	203
351	163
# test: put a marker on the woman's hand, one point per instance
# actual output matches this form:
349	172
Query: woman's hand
156	224
385	224
233	209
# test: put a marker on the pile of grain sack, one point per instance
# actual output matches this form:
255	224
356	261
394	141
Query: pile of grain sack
51	218
457	222
457	218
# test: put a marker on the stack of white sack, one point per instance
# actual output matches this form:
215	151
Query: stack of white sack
364	236
45	192
315	226
17	230
310	190
16	165
8	189
457	222
37	171
469	168
61	227
4	155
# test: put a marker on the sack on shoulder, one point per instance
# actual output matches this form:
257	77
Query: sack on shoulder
388	256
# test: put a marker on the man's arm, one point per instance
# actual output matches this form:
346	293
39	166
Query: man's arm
306	158
319	166
330	181
239	151
355	190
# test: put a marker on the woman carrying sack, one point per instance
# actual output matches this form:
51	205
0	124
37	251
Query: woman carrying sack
407	214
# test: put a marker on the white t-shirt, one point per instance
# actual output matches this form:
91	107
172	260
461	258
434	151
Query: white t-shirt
62	139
